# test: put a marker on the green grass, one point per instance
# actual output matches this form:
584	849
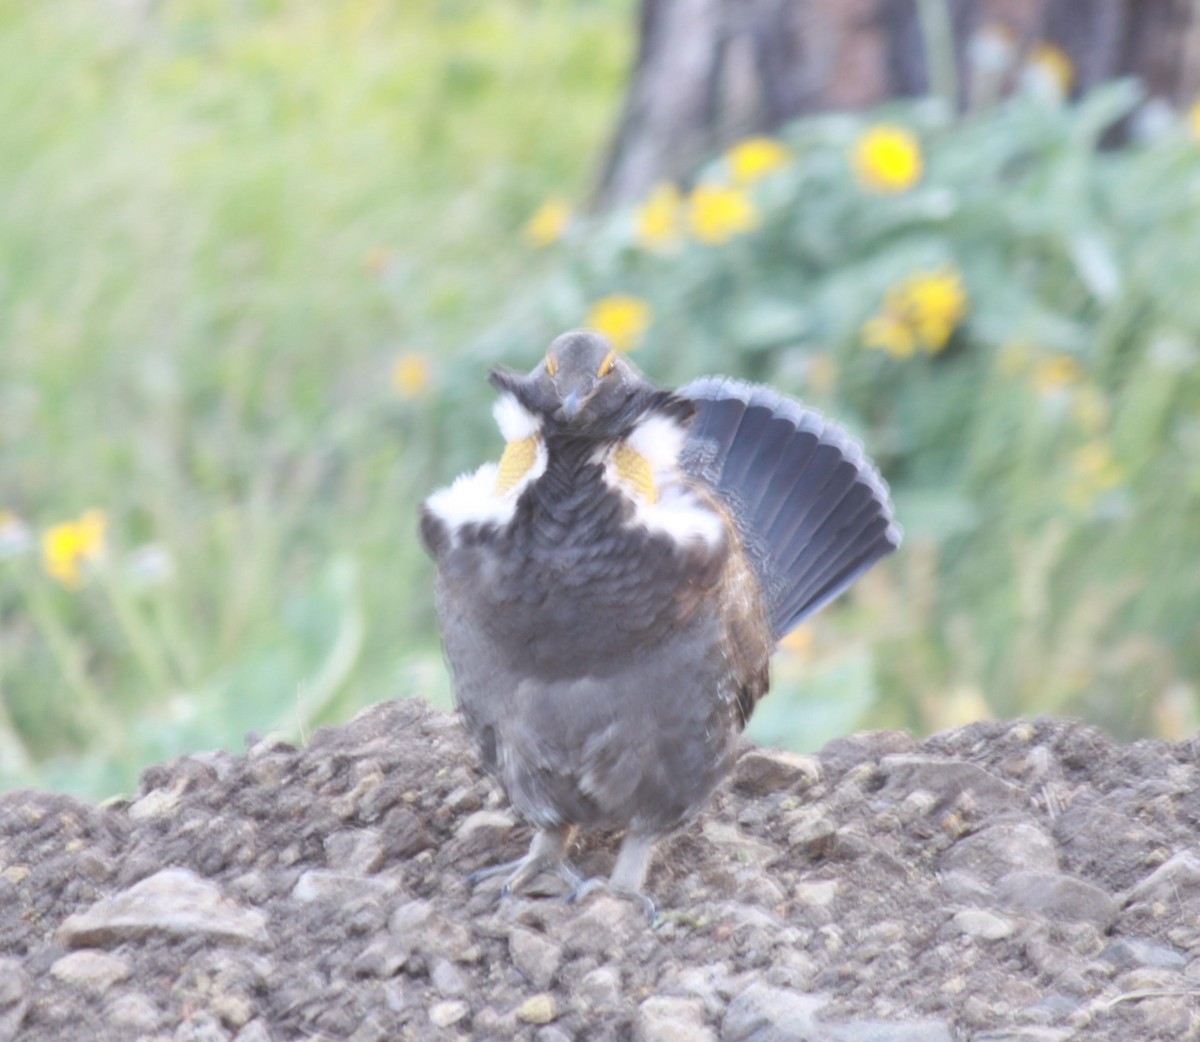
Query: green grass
1042	458
218	229
221	226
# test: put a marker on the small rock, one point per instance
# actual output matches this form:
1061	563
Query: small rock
93	971
446	978
760	771
451	940
1058	897
948	780
1146	979
844	754
1170	1016
234	1010
1129	952
886	1031
1058	964
268	768
754	886
200	1027
811	831
537	958
489	1023
483	831
14	998
351	804
157	803
552	1033
817	893
1176	882
703	982
446	1014
954	986
965	888
1030	1033
978	922
537	1009
318	883
255	1031
761	1013
382	958
134	1011
407	921
404	834
737	844
665	1019
1081	937
600	989
605	926
174	903
916	805
463	800
1105	840
994	852
357	851
792	969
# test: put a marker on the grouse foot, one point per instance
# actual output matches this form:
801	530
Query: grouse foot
628	875
587	887
545	855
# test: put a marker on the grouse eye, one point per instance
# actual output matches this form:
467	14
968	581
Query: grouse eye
607	365
551	365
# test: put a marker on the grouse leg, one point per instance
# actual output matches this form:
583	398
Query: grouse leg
546	854
628	874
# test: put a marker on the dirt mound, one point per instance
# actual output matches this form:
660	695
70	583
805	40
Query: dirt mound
1024	882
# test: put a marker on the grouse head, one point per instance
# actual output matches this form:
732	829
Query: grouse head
583	388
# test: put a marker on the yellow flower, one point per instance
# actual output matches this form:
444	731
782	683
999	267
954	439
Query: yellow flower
1095	471
1094	461
657	220
887	158
1056	373
621	318
891	335
1193	118
1052	63
922	310
66	546
717	213
378	259
548	223
756	157
412	374
936	302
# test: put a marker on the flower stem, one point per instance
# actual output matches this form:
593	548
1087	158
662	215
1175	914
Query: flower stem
937	36
141	640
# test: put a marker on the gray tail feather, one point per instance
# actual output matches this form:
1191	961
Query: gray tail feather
812	510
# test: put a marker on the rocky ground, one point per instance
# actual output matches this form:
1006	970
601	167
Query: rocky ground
1017	882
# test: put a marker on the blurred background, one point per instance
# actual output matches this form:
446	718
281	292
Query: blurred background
256	258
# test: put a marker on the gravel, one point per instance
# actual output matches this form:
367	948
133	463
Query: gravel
1030	881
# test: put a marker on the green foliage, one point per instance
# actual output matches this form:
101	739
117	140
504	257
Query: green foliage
219	227
1043	458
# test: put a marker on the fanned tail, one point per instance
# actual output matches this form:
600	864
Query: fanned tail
812	510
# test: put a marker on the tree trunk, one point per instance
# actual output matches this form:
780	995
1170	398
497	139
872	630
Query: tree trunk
708	72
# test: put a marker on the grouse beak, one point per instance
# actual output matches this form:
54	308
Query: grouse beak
571	405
